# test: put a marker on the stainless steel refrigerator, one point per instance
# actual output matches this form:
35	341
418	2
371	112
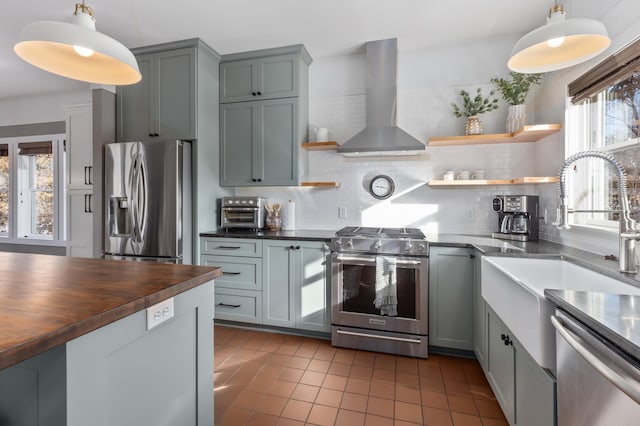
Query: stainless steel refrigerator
148	201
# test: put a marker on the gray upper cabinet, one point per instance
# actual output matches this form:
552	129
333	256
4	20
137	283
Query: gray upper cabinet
163	105
259	143
451	277
263	116
259	79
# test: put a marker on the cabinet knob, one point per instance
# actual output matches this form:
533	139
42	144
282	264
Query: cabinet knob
259	180
151	135
156	134
254	93
259	93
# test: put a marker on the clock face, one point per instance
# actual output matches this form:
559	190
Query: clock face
381	187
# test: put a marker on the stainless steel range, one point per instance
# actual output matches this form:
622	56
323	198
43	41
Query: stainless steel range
379	290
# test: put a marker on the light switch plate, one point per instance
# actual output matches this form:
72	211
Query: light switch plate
159	313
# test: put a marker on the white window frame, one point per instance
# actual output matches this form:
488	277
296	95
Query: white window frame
584	134
57	237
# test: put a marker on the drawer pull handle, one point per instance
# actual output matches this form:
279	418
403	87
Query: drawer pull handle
231	273
229	247
226	305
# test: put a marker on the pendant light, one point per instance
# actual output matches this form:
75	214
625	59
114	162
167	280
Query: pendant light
560	43
76	50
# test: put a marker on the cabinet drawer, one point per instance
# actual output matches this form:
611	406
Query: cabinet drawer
243	273
231	247
238	305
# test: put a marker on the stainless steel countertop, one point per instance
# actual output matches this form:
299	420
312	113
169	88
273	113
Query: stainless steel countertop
616	317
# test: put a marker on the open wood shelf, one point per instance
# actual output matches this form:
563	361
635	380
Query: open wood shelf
530	133
488	182
321	184
320	146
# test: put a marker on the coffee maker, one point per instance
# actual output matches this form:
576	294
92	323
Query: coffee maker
517	217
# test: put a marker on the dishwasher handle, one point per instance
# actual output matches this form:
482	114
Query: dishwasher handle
629	385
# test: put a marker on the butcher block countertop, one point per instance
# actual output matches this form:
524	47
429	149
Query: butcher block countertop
46	301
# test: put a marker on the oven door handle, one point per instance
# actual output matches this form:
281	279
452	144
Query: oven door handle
371	259
377	336
608	368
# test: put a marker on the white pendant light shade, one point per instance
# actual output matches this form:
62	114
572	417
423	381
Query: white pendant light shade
76	50
558	44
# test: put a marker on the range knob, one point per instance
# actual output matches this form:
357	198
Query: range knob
377	245
422	247
408	246
349	244
337	244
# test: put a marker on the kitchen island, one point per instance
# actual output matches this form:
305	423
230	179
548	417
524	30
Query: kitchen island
105	342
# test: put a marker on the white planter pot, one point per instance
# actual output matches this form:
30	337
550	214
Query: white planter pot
516	117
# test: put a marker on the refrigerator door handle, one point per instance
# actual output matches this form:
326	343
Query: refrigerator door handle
135	237
142	207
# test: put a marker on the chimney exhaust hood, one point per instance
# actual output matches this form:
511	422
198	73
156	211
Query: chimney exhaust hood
381	136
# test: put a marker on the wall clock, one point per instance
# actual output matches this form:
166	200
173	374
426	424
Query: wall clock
381	187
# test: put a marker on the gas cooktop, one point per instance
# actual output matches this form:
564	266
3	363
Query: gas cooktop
393	241
358	231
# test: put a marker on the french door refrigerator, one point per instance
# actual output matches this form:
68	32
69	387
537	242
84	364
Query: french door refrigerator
148	201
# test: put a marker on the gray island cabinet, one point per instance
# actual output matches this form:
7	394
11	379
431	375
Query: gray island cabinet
263	116
105	342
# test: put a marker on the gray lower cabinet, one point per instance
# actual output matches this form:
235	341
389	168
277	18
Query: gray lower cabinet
259	143
525	391
451	302
238	293
280	283
295	292
259	79
163	104
479	316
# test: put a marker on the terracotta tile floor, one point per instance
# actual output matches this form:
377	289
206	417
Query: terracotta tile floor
266	379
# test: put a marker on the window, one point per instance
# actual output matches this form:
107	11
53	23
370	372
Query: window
30	170
605	116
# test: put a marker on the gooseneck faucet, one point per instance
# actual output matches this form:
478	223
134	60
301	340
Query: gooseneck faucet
629	232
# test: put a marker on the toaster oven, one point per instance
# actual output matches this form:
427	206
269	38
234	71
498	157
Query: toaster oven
242	212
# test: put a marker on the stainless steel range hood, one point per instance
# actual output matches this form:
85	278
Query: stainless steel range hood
381	136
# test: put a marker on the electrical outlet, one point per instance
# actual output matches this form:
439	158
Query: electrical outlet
159	313
342	212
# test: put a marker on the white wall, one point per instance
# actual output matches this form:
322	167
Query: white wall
41	108
428	81
622	21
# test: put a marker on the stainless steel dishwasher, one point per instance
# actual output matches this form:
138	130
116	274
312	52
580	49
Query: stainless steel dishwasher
598	383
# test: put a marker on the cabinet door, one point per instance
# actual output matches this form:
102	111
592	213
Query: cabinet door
80	223
480	316
238	81
311	287
451	273
501	365
134	121
79	147
238	137
535	392
278	275
175	109
278	147
278	77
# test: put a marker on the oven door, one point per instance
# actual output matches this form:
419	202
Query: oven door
240	217
353	291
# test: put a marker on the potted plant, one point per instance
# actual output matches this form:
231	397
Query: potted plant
515	90
471	108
